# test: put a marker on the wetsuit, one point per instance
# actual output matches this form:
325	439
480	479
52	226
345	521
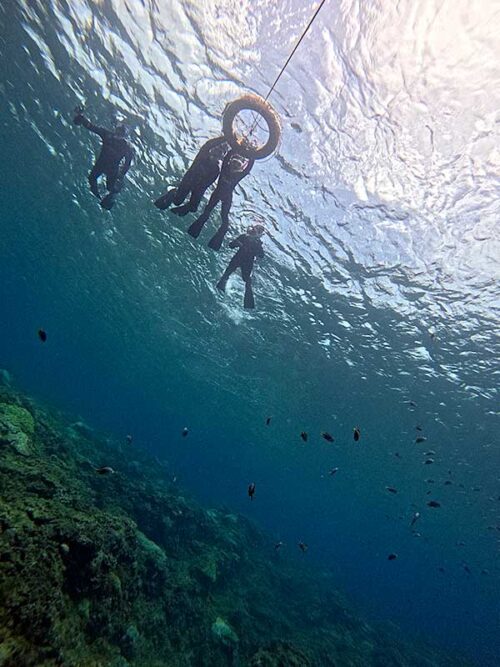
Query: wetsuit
201	174
250	247
113	162
233	169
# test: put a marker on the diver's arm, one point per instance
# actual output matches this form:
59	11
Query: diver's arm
260	252
208	145
238	242
205	149
96	129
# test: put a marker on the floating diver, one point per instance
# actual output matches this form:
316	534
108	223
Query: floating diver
114	159
42	335
251	490
250	247
204	171
234	169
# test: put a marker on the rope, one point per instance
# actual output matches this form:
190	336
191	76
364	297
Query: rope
304	33
318	9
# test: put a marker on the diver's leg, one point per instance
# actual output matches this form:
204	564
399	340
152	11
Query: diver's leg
176	195
192	204
165	200
113	184
184	187
113	181
197	225
232	266
216	240
92	178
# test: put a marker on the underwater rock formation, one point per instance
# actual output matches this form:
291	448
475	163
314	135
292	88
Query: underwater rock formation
123	570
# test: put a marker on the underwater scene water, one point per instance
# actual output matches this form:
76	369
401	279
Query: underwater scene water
377	308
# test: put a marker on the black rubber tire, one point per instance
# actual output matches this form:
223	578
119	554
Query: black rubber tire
252	103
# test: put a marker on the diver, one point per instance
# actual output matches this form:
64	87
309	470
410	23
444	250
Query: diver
114	159
204	171
250	247
233	170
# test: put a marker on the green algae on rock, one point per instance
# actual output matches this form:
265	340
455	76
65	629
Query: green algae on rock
17	427
125	571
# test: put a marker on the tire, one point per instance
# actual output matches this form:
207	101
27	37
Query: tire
252	103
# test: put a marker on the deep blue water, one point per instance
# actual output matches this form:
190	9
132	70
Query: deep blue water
382	219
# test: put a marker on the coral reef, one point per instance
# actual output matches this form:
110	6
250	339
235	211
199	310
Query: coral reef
123	570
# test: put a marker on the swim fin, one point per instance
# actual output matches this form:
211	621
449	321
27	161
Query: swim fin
165	200
108	201
249	301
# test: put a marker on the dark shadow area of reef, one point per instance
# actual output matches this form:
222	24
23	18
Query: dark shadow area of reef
124	570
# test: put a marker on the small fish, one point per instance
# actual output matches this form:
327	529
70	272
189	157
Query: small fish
429	481
42	335
326	436
391	489
392	557
251	490
441	569
431	452
433	503
129	439
397	455
466	568
278	545
418	427
356	434
460	543
333	471
485	571
420	439
268	421
415	518
303	547
304	436
104	470
428	462
296	127
448	482
184	431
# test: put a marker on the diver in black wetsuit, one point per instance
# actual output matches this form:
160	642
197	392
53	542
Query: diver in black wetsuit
233	169
200	176
113	162
250	247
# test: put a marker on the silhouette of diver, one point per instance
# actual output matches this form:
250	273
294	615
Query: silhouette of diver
114	159
234	168
250	247
204	171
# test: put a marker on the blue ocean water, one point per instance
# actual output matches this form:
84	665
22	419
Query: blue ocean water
377	302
